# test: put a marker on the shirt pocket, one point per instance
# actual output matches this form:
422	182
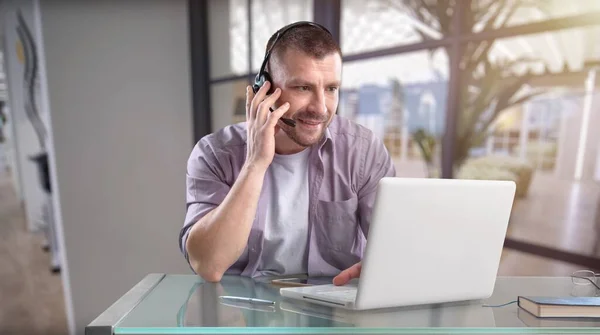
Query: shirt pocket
338	226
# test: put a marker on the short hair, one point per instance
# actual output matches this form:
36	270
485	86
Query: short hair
309	39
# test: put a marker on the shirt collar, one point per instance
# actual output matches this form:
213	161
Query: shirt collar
328	137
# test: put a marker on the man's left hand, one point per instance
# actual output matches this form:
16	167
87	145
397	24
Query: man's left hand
348	274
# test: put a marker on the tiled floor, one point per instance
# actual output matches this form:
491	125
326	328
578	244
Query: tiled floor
555	213
31	297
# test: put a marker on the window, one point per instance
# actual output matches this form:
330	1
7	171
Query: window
397	96
228	26
270	15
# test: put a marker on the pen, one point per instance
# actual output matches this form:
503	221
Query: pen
248	300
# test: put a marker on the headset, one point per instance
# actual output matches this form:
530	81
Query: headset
263	76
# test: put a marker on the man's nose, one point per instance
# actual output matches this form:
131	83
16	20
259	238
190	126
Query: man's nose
318	103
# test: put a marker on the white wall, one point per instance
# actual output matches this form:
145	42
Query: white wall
120	104
26	143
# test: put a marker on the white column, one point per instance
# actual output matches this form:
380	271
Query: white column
562	132
590	166
587	108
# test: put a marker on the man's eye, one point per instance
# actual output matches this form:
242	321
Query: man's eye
333	88
302	88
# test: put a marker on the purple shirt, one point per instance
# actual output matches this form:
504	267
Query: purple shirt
343	171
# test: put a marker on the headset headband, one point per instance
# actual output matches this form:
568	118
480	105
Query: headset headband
259	77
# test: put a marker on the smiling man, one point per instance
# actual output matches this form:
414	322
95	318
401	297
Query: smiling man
291	190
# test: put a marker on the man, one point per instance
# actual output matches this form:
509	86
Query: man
268	198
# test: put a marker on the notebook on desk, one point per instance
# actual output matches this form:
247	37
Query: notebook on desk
531	320
561	307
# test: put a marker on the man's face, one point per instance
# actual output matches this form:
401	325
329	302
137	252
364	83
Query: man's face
311	86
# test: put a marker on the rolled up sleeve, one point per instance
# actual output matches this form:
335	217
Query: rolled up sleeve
206	188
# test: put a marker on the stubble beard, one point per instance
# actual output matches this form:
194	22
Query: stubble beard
303	142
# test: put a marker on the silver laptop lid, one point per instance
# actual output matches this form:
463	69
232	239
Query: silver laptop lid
434	240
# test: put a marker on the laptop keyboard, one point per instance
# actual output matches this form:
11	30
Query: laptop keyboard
345	295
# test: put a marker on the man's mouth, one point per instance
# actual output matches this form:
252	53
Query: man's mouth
310	123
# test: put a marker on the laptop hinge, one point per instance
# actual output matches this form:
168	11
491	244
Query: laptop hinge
326	301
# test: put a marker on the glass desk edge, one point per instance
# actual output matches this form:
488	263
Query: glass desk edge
348	330
108	321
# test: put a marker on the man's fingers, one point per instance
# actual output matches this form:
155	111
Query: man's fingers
264	108
341	278
271	99
258	98
275	115
348	274
249	97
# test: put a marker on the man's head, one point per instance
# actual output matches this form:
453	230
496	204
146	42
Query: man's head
306	65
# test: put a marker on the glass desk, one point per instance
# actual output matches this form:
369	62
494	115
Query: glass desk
184	304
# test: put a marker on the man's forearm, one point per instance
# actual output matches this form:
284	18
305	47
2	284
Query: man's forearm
217	240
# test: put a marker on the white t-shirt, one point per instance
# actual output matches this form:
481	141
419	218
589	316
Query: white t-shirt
286	228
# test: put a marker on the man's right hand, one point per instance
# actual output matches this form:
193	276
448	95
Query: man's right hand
262	125
218	239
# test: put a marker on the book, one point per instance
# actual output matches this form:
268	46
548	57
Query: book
531	320
561	307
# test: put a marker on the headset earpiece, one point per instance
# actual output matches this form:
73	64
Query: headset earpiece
260	80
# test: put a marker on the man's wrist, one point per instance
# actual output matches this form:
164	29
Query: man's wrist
253	169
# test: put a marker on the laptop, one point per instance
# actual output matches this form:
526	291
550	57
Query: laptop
430	241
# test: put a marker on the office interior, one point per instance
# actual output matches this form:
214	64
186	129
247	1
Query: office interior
102	102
